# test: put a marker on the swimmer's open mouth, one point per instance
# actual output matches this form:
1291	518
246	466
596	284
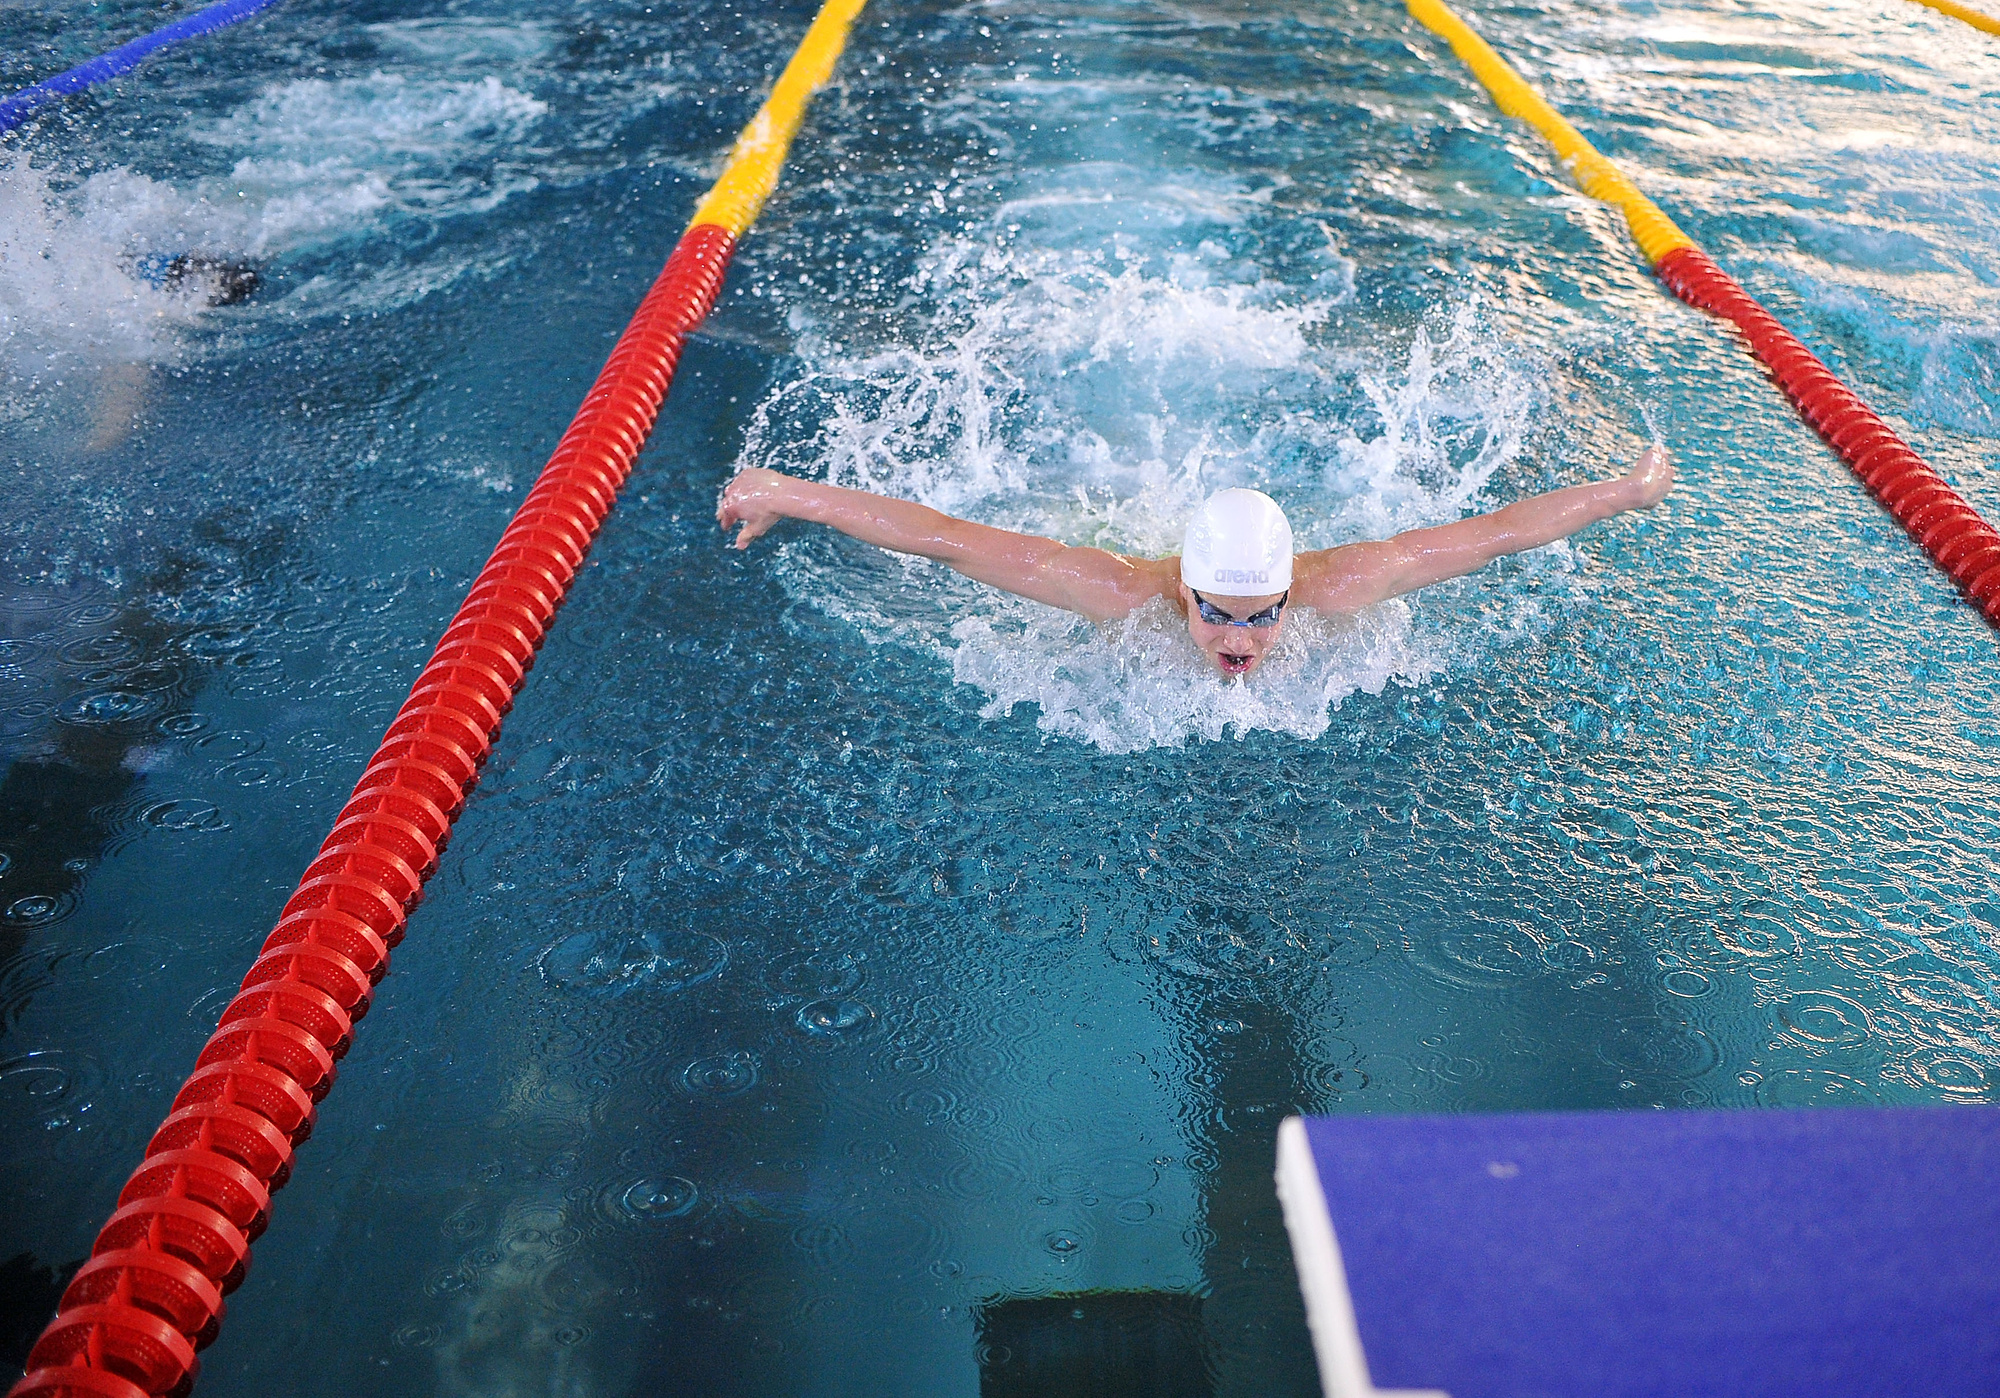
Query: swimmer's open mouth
1234	664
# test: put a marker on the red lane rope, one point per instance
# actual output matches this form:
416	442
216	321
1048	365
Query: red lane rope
151	1295
1963	544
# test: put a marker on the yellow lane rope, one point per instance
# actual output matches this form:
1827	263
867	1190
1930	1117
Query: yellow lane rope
1596	176
752	172
1971	16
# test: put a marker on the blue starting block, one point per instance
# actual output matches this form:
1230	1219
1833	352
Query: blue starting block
1755	1254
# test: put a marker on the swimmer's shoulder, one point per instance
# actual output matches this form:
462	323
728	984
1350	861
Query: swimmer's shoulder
1140	580
1345	578
1154	577
1103	585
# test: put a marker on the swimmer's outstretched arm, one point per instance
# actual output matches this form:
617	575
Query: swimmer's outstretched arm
1355	575
1099	584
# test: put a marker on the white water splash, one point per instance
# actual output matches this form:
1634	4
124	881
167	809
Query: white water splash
81	261
72	298
1140	683
1096	398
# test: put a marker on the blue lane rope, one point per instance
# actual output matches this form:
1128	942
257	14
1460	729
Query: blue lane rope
123	59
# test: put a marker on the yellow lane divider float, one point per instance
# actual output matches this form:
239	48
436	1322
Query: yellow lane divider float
1965	12
752	172
1965	546
130	1322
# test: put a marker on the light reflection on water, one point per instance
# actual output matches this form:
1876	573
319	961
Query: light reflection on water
833	948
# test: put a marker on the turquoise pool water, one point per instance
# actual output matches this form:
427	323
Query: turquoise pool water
835	950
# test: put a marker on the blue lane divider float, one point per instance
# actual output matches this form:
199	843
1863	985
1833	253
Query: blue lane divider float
123	59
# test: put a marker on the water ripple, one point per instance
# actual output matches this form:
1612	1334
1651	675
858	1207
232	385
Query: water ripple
613	963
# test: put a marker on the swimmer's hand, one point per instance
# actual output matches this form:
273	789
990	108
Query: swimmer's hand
1651	478
755	499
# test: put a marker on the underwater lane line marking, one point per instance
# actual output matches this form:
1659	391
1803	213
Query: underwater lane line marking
1944	525
123	59
130	1323
1975	18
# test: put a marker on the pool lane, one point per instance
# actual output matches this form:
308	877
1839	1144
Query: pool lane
131	1318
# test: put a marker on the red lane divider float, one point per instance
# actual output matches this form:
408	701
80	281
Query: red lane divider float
1964	545
152	1293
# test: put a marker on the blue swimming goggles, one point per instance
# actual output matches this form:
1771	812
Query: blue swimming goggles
1259	620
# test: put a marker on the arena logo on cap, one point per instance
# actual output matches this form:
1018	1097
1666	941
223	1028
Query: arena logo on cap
1240	575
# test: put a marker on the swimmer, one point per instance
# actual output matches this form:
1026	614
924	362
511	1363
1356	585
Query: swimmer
122	387
1236	574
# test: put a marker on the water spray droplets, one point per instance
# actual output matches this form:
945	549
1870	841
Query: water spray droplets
1097	399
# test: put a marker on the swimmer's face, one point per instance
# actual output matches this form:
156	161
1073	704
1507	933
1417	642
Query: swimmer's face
1233	650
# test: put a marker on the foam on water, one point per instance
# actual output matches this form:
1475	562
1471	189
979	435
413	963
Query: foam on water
1096	397
1139	683
385	142
464	41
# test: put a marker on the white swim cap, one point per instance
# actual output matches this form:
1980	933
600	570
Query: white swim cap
1239	544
